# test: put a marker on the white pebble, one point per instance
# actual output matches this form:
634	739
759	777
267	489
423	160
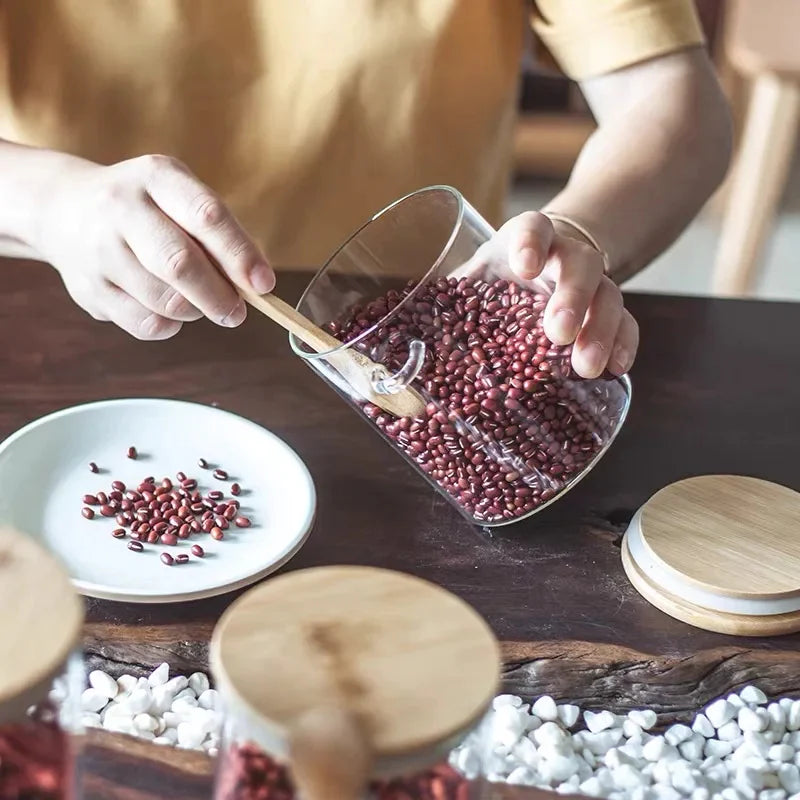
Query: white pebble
601	721
703	726
545	708
752	694
627	776
162	740
701	793
213	752
750	777
161	699
591	787
139	701
177	684
119	725
183	704
144	722
644	718
736	701
507	723
692	750
677	734
500	700
657	749
198	682
720	712
187	692
189	736
171	735
781	752
93	700
630	729
772	794
730	731
793	717
714	747
126	683
549	733
777	717
729	793
615	758
558	769
104	683
521	776
159	676
600	743
757	743
209	699
568	714
750	720
789	776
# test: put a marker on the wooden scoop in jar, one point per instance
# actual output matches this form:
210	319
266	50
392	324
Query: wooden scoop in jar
358	370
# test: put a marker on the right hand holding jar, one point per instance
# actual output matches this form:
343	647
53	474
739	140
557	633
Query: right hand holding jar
521	400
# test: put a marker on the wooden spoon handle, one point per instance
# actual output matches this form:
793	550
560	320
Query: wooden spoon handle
329	755
292	320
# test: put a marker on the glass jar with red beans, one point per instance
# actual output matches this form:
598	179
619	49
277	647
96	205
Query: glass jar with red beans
41	674
424	290
353	683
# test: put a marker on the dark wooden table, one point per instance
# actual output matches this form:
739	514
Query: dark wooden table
716	389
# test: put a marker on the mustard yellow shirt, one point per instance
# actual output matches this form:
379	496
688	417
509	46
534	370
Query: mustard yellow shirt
307	115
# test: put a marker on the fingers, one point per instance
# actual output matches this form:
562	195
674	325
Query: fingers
530	236
201	213
173	256
151	292
577	270
625	345
594	344
130	315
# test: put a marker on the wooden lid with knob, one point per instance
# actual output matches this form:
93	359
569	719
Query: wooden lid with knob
40	624
721	552
354	672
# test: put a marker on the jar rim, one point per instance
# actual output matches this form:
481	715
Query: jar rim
459	219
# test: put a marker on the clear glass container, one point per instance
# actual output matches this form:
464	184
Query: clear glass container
40	745
318	672
41	675
424	290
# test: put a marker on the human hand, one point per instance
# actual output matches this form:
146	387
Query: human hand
586	307
144	244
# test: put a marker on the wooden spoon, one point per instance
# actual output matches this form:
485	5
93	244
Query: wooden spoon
358	370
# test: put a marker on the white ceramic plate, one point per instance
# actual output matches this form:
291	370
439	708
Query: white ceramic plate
44	474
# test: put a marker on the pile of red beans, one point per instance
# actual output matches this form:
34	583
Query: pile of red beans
247	773
508	423
166	512
34	762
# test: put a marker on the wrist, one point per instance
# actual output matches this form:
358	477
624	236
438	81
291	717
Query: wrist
565	225
27	177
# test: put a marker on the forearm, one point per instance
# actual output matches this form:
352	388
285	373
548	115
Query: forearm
661	148
25	174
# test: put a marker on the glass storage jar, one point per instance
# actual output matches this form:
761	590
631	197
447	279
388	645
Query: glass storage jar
41	674
424	290
350	683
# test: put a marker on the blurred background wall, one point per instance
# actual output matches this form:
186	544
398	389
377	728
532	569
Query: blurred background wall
754	44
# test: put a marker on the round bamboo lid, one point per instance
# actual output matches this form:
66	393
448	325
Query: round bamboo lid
371	668
721	552
40	626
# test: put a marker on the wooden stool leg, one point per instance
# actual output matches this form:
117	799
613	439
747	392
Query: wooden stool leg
761	170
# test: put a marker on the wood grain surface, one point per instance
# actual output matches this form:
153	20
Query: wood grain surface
716	390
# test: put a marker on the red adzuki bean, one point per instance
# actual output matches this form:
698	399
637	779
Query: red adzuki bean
90	500
202	463
132	453
242	522
169	539
235	489
182	558
87	512
198	551
118	533
217	534
93	467
137	547
167	559
118	486
220	474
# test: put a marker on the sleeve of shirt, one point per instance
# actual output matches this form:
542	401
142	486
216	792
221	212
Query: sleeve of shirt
592	37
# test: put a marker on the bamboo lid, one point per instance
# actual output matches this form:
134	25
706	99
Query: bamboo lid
383	668
40	625
720	552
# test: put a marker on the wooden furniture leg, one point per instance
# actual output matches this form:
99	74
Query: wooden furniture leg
761	170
